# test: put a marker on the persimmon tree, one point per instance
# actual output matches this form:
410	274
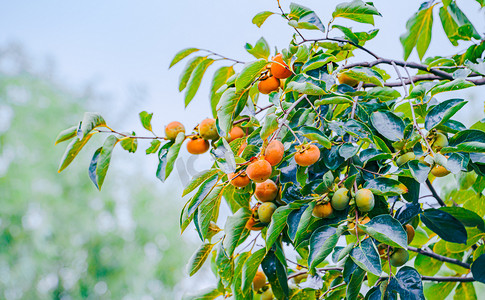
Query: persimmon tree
341	162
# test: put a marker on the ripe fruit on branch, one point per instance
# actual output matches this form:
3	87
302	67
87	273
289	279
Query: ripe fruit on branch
197	145
173	129
279	68
259	170
399	257
364	199
401	160
259	281
410	232
439	171
274	153
362	221
268	85
265	211
208	129
307	155
322	210
340	199
240	181
439	142
235	133
266	191
345	79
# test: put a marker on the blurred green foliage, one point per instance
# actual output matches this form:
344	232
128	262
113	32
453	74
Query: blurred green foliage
59	237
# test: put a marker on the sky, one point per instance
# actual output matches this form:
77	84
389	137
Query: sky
123	48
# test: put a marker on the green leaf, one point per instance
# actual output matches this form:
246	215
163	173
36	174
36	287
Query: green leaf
478	269
198	258
276	273
317	62
249	73
269	126
250	268
419	28
442	112
444	225
322	242
382	93
465	216
221	75
438	291
181	55
72	150
209	211
196	79
334	99
66	134
187	72
465	291
129	144
304	18
260	49
155	144
304	88
228	107
146	120
367	75
356	10
236	285
419	170
365	255
236	230
316	135
388	124
100	161
354	285
384	186
407	282
91	121
387	230
426	265
205	294
261	17
173	152
198	179
278	223
457	84
202	193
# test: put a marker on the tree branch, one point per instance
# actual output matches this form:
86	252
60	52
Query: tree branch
286	116
434	193
341	41
440	257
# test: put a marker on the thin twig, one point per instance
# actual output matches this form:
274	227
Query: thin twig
439	257
434	193
285	116
223	57
293	132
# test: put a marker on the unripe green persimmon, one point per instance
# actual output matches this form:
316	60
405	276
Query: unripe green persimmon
340	199
265	211
267	295
364	199
399	257
401	160
440	141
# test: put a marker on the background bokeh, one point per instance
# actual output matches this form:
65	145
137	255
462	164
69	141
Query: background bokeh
59	236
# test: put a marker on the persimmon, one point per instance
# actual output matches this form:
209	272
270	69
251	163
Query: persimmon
240	181
322	210
361	221
275	152
197	145
259	170
399	257
235	133
208	129
410	232
401	160
364	199
259	281
265	211
250	225
345	79
439	171
307	155
268	85
340	199
266	191
439	142
279	68
173	129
